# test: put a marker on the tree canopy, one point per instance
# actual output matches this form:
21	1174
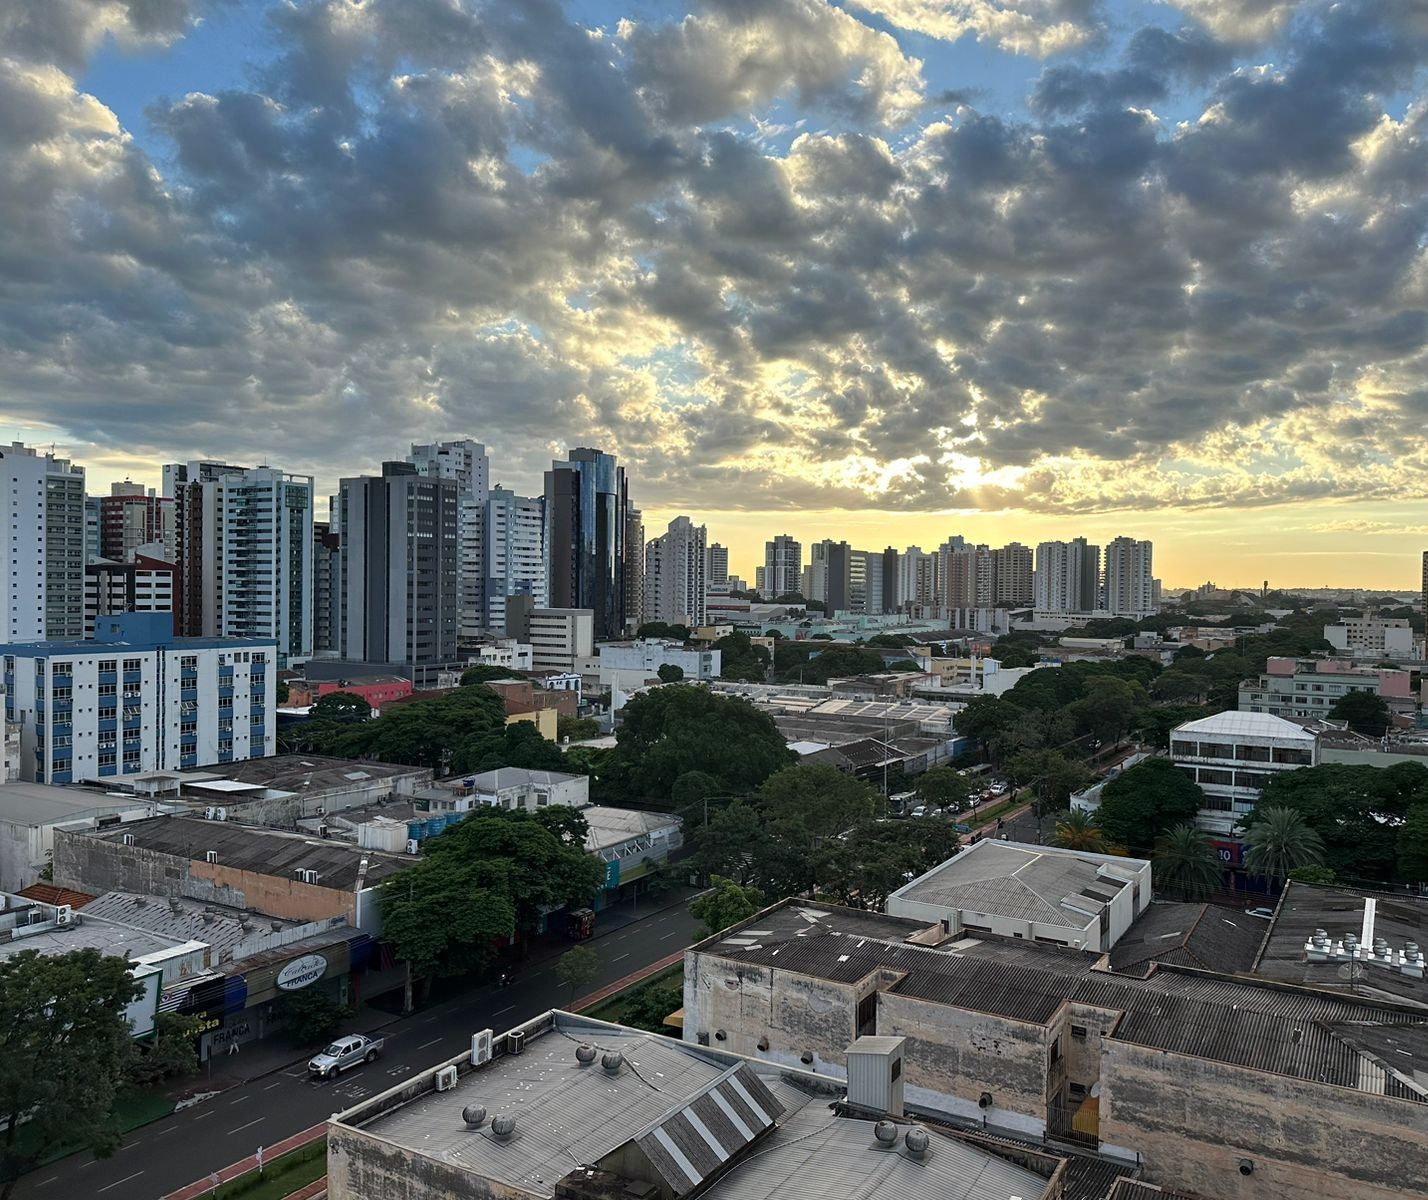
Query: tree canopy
1141	803
670	673
65	1052
725	904
672	730
1279	842
1366	712
519	744
943	788
663	629
1185	866
740	659
340	706
489	877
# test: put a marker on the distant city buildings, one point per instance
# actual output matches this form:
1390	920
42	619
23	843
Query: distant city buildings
717	572
674	582
465	463
42	535
783	566
1129	582
515	560
587	513
1067	577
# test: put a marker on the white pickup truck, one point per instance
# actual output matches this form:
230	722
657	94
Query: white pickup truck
343	1053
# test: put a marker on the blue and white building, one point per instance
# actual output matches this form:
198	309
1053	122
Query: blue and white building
136	698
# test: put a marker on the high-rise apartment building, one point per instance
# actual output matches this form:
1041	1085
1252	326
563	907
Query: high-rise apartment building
891	560
675	587
130	517
244	549
465	463
91	528
326	594
829	578
634	564
783	566
515	553
1129	587
42	534
717	570
916	578
586	513
135	698
399	562
968	577
1012	568
1067	577
146	584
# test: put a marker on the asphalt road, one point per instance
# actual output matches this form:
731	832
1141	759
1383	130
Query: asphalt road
179	1149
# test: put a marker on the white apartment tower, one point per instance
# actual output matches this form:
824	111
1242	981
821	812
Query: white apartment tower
244	539
514	554
1130	587
42	529
916	577
1067	577
783	566
467	464
675	587
716	571
1012	568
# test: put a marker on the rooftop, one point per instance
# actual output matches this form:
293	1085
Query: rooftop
84	932
47	804
1023	883
687	1115
261	851
1304	908
1279	1030
1208	937
1246	724
301	773
612	826
225	929
504	777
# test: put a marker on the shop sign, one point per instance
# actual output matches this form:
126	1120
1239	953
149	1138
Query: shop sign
301	972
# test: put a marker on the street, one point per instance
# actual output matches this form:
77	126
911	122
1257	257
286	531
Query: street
164	1156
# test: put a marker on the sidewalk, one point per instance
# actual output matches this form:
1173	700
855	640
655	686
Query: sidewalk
257	1059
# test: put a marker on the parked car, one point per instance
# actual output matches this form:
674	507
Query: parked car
919	811
343	1053
962	827
1266	914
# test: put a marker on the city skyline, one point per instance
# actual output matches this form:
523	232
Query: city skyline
1008	269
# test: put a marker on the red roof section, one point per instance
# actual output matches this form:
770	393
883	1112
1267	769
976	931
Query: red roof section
48	893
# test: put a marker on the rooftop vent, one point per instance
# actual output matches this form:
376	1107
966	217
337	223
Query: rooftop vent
474	1115
585	1054
612	1062
174	905
502	1126
886	1133
916	1142
210	856
128	839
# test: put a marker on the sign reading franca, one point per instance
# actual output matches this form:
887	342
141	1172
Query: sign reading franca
301	972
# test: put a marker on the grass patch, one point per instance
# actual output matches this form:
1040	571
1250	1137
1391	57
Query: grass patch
614	1008
279	1178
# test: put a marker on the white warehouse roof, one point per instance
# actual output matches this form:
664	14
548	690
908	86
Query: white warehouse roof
1245	724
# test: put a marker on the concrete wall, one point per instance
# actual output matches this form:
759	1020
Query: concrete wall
1194	1120
363	1167
99	865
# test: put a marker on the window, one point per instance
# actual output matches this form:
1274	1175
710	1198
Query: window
1078	1031
133	664
108	664
108	689
106	758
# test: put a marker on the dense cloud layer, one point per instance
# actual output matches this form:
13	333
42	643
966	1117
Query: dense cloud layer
746	246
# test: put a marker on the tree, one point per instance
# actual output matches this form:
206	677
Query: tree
1078	830
568	824
740	659
490	877
836	661
663	629
487	673
812	802
649	1006
669	673
576	729
519	744
1185	865
671	730
282	692
1140	804
1109	708
1321	876
1279	841
65	1052
172	1054
311	1014
1052	776
943	788
1413	845
340	706
422	733
985	717
577	968
725	904
1365	712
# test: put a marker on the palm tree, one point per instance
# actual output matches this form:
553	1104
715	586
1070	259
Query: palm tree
1077	830
1186	865
1279	841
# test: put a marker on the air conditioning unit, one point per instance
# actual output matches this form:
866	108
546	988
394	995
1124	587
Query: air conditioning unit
446	1079
481	1047
64	914
220	814
413	846
208	813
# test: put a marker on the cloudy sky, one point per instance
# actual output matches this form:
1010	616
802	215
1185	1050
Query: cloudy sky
890	269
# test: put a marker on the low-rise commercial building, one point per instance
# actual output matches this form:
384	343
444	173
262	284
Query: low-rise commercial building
1308	687
1223	1087
268	871
1232	755
31	812
625	666
519	789
1040	893
135	698
570	1108
1372	637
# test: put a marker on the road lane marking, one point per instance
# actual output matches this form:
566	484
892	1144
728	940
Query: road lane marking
47	1182
424	1045
201	1115
670	935
250	1125
170	1129
237	1100
508	1008
621	958
430	1019
271	1086
117	1182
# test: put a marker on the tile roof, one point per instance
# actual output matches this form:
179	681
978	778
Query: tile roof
48	893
